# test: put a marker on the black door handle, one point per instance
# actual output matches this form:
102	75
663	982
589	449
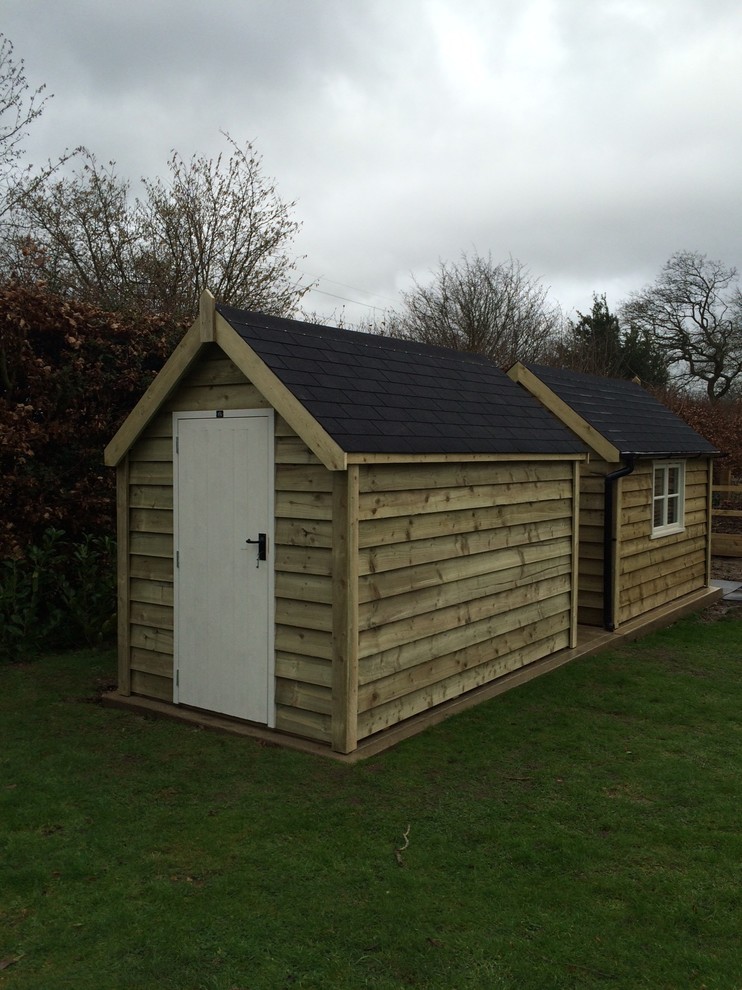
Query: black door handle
262	542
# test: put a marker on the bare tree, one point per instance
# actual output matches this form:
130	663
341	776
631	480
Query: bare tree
693	313
19	107
219	223
216	223
498	310
77	234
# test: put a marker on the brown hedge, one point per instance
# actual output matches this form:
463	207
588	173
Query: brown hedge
719	422
69	374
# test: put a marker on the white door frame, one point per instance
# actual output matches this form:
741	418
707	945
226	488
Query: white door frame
268	416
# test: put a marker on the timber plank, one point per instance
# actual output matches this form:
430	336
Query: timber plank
374	559
300	722
308	642
216	371
382	611
148	614
431	574
293	450
376	532
154	592
658	586
404	503
149	638
149	662
207	397
309	615
151	544
399	684
310	670
298	694
160	426
459	616
304	560
304	532
395	477
151	497
151	568
151	685
304	587
629	547
151	521
303	478
395	711
641	605
156	449
725	545
590	616
152	472
474	636
303	505
656	557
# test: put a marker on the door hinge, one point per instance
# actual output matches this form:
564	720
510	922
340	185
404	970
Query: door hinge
177	678
177	558
177	444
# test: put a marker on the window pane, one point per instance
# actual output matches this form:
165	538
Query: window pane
673	484
658	506
673	505
659	481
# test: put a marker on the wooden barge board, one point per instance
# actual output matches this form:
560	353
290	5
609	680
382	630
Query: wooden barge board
591	640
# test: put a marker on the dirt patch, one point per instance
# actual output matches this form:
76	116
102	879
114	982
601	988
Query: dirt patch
721	610
726	568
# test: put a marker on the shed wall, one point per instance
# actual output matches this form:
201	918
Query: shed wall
465	573
653	572
592	522
301	555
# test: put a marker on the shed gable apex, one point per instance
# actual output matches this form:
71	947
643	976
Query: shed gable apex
624	413
580	427
211	328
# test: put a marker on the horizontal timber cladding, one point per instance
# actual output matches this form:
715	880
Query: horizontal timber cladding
302	554
653	572
590	581
304	593
464	574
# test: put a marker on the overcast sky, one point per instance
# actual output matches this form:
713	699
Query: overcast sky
589	139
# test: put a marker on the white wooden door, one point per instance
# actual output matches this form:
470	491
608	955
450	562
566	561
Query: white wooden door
223	482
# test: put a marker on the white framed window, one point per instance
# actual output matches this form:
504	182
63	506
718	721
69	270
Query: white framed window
668	507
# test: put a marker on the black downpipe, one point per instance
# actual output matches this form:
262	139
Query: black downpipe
609	540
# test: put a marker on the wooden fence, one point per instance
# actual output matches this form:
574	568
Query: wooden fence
727	505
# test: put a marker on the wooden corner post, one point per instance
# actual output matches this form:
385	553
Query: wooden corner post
576	467
345	610
709	516
122	576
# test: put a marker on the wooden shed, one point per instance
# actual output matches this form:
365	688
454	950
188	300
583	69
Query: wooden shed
645	531
327	533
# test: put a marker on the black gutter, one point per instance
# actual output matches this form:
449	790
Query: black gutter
609	540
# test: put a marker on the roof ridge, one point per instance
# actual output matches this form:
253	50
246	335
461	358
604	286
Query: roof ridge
254	318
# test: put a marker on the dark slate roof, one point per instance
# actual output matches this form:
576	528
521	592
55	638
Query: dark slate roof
376	394
624	413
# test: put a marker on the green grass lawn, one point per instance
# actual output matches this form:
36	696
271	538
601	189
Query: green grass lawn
580	831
